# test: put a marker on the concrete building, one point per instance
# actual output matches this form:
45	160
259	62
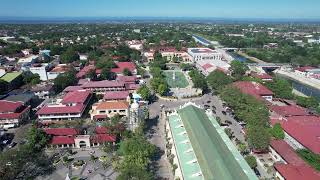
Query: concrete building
301	132
71	107
288	165
255	89
13	113
201	149
108	109
101	87
14	79
72	138
206	67
41	70
204	54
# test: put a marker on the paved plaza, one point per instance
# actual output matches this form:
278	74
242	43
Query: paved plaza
91	170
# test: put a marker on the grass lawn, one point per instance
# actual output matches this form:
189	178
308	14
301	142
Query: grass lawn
179	82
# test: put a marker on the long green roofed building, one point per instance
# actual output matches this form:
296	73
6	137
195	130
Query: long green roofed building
201	148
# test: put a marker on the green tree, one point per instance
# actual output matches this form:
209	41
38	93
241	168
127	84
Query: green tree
127	72
281	88
238	69
251	160
69	56
277	131
199	81
228	132
163	89
91	74
307	102
218	80
37	139
243	148
35	49
64	80
29	78
258	137
311	158
186	67
106	74
145	93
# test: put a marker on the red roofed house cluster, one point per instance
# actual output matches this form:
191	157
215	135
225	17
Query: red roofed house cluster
72	138
12	113
70	107
121	66
288	164
255	89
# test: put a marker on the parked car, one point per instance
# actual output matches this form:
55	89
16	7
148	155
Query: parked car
13	144
228	122
213	107
223	112
206	107
214	112
208	102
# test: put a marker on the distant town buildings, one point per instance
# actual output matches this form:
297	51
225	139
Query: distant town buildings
201	54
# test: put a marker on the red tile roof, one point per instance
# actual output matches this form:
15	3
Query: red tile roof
132	86
62	131
100	116
112	105
79	96
16	115
126	79
72	88
116	95
101	130
291	172
287	152
85	70
253	88
291	110
207	66
82	81
9	106
124	65
305	129
103	84
61	109
60	140
102	138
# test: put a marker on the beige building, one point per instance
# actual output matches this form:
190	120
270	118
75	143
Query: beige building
102	110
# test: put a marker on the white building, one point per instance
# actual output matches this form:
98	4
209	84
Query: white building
41	70
203	54
135	44
28	61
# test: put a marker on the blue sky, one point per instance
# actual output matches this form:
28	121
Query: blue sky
161	8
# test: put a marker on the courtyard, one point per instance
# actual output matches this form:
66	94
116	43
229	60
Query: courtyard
176	79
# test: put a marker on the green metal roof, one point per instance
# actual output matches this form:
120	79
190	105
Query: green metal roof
217	156
184	150
11	76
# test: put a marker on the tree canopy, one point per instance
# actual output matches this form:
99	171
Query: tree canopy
69	56
281	88
238	69
64	80
199	81
145	93
217	79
